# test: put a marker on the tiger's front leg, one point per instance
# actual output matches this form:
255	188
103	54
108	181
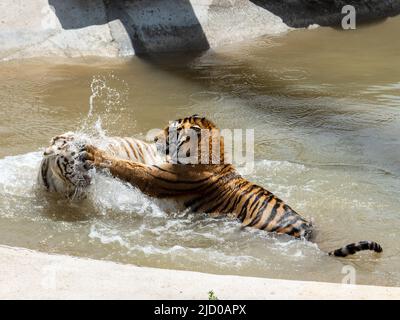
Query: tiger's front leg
134	173
95	157
165	180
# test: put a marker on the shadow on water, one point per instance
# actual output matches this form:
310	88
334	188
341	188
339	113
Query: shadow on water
233	77
256	88
161	25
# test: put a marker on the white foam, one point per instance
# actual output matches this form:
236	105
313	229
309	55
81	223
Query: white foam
180	238
108	193
313	26
106	236
18	173
18	183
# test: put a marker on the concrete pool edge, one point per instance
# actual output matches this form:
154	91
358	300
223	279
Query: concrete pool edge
28	274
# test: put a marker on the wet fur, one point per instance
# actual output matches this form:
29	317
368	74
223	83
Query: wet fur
62	171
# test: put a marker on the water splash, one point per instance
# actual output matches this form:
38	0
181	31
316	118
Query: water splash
107	103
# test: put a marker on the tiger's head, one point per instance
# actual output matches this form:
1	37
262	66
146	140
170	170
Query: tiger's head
191	140
61	171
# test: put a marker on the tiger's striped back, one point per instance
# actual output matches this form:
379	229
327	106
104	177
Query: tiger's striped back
258	208
223	191
131	149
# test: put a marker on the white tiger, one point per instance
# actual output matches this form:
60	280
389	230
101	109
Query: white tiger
61	170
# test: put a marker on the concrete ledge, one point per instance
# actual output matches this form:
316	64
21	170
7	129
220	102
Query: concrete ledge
28	274
117	28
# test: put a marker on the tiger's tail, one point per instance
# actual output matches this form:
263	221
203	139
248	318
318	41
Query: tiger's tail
352	248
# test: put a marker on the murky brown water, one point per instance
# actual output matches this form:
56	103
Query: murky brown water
325	106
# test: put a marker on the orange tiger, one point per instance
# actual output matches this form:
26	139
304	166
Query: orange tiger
217	189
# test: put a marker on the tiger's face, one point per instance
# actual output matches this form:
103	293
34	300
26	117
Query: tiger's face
61	171
191	140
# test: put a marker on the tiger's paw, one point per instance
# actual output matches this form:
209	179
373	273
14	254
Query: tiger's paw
94	157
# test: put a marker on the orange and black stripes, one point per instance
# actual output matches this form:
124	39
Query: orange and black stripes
258	208
132	149
251	204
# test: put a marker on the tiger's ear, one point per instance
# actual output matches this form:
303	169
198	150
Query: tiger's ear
48	151
53	140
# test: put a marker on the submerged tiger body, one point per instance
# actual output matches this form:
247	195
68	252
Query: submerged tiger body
61	171
217	189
